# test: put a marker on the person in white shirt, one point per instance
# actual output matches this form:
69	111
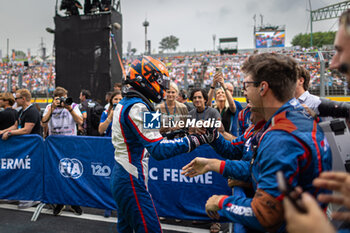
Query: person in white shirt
301	91
61	118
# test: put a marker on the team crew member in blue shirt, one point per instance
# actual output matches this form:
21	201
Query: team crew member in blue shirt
290	141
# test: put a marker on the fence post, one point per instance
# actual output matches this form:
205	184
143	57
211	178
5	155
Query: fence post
185	74
322	76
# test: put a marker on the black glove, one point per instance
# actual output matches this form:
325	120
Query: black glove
211	135
196	140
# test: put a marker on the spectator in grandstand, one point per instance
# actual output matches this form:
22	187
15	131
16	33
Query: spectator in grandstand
269	84
182	98
14	89
134	143
199	97
28	122
61	118
92	112
314	220
301	91
8	116
172	112
105	127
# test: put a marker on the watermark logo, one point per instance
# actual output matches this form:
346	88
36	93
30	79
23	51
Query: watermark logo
151	120
71	168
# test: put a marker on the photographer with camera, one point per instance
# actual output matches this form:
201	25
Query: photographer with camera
62	115
61	118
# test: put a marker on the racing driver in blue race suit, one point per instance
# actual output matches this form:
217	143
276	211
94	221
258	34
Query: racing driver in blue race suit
134	143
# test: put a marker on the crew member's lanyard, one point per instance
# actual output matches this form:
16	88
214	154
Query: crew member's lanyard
197	115
168	112
167	109
19	118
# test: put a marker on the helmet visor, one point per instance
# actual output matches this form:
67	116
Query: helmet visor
163	81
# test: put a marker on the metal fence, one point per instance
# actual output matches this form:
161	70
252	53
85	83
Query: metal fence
198	71
190	71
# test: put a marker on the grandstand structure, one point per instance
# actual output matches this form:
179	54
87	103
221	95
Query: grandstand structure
228	45
327	12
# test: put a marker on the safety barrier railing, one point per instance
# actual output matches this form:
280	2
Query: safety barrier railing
76	170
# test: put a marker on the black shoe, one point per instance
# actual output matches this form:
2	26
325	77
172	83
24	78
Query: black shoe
76	209
58	209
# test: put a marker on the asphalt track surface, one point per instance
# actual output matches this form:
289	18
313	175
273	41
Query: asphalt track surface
13	220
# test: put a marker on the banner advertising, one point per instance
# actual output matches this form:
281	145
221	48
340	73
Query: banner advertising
77	171
21	168
177	196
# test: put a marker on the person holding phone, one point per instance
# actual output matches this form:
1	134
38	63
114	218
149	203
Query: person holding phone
105	126
224	104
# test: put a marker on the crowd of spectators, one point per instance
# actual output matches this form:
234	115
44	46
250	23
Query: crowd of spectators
202	67
39	78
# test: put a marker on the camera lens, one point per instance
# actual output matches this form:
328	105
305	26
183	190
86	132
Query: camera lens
68	101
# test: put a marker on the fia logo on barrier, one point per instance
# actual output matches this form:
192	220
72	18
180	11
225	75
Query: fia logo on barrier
151	120
71	168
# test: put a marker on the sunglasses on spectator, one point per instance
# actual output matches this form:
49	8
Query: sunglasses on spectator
18	97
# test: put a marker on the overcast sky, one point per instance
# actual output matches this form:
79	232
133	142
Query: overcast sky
194	22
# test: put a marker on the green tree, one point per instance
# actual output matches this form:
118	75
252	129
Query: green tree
169	43
318	39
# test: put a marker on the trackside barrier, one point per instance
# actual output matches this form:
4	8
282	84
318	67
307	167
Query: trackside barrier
22	168
76	171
